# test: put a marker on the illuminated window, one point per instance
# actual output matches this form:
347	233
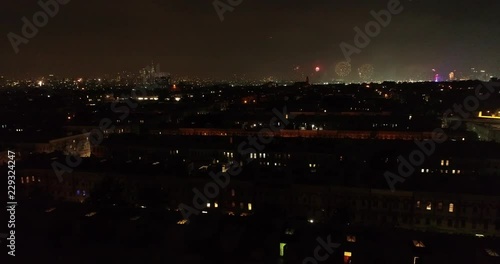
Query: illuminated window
249	206
208	205
282	249
451	208
491	252
453	171
423	170
347	257
351	239
458	171
442	162
447	163
429	206
22	180
418	204
27	179
182	222
32	178
418	244
216	205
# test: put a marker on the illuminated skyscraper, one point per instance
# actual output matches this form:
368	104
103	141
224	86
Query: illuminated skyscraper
451	76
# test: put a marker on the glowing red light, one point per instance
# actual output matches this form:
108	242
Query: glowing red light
317	69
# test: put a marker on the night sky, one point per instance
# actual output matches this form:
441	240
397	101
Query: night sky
259	38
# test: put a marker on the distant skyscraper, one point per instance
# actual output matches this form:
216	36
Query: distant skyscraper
452	76
153	77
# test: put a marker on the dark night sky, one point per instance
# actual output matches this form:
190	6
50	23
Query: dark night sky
260	38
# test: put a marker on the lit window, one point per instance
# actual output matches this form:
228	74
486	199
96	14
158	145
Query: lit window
418	204
347	254
208	205
418	244
249	206
423	170
451	208
27	179
442	162
182	222
351	239
216	205
492	253
32	178
458	171
282	249
22	180
429	206
453	171
447	163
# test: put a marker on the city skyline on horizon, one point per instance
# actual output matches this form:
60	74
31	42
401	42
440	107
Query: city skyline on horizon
188	39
